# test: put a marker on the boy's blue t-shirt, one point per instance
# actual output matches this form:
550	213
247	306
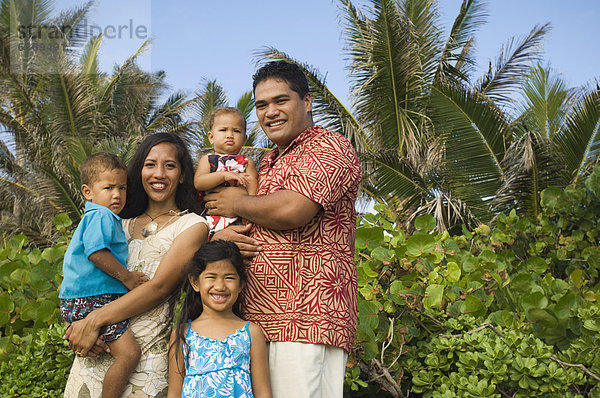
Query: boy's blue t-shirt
99	229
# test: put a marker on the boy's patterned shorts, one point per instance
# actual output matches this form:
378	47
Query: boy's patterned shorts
78	308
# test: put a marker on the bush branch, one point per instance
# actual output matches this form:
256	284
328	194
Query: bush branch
483	326
576	365
379	373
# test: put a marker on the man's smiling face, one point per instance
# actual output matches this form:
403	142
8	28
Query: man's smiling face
282	114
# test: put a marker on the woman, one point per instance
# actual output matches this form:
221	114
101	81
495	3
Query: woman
163	234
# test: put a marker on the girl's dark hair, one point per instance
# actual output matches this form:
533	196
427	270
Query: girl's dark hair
186	196
191	309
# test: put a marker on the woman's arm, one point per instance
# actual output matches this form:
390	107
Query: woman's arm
176	368
259	363
171	271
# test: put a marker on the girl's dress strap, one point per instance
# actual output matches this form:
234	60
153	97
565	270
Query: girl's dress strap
247	327
189	325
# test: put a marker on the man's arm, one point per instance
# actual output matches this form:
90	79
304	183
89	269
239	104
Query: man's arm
280	210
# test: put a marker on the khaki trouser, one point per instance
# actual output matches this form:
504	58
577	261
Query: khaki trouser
300	370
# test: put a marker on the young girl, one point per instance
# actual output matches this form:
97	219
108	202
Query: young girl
213	351
226	167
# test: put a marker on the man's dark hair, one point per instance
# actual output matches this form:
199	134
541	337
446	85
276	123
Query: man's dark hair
286	71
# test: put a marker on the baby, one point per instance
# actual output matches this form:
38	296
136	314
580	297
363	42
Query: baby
226	167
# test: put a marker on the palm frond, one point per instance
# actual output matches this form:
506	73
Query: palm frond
531	164
546	101
579	139
511	65
89	57
456	60
472	129
386	72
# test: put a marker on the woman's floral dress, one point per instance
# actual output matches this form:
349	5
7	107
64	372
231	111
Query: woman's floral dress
152	329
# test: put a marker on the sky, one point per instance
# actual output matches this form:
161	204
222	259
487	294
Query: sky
194	41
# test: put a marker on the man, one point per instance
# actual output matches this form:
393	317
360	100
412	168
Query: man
302	284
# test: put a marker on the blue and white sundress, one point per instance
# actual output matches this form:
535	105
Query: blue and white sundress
217	368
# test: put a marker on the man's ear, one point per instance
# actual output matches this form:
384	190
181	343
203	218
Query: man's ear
308	102
86	191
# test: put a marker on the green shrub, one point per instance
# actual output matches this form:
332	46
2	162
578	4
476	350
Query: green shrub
34	359
36	365
29	283
503	311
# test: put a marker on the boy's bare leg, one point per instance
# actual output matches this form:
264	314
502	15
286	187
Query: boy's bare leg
126	352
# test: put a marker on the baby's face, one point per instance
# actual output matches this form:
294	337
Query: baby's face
109	189
227	134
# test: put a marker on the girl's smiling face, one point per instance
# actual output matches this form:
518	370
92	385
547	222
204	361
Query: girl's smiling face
161	173
219	286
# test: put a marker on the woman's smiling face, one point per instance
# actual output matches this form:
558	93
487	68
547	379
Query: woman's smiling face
161	173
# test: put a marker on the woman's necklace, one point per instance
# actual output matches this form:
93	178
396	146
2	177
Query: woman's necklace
152	227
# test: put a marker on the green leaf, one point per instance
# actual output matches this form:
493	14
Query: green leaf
62	221
537	264
576	276
551	197
53	254
381	253
368	314
368	235
395	287
17	242
425	223
474	306
533	300
6	308
29	311
420	244
39	279
543	317
46	310
470	264
453	272
592	324
522	282
433	296
562	309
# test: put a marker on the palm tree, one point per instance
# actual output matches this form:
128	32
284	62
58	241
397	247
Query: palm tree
431	139
58	110
556	140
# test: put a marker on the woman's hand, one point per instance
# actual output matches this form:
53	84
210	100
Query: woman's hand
83	338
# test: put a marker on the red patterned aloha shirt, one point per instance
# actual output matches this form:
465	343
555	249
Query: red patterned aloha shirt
302	286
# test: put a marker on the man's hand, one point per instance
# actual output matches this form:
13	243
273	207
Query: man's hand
134	279
237	234
222	201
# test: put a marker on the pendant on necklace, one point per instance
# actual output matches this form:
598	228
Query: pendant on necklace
150	229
